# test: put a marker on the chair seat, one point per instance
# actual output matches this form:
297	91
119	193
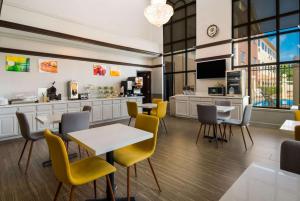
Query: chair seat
90	169
234	122
37	135
130	155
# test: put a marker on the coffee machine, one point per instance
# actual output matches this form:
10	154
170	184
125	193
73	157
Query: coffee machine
127	88
73	90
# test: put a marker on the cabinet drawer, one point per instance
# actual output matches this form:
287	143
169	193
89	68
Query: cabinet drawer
116	101
74	105
236	101
107	102
9	110
41	108
82	104
97	102
27	109
60	106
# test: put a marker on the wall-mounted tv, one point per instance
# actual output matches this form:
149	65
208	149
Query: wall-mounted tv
211	69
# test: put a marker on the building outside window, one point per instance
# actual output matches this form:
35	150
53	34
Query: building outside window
179	48
272	45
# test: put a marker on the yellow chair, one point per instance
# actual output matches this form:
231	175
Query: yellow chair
132	110
297	115
79	172
156	101
130	155
161	112
297	133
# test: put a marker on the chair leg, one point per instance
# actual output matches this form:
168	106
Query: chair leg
204	130
154	175
243	137
128	183
57	191
110	188
29	156
249	134
215	134
224	133
135	170
79	150
230	132
220	131
95	189
71	193
199	132
208	130
164	123
129	121
22	152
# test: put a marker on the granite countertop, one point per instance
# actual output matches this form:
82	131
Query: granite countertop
67	101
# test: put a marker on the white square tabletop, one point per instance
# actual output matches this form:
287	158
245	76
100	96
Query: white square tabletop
289	125
224	109
48	119
264	183
105	139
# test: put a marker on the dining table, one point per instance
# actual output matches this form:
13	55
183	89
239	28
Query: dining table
264	182
48	120
289	125
106	139
148	107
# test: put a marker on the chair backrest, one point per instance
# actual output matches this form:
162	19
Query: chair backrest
289	157
157	100
24	125
87	108
132	109
297	115
161	109
297	133
207	114
150	124
247	115
59	157
74	121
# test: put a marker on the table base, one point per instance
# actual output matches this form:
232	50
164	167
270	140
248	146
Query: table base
48	163
117	199
213	138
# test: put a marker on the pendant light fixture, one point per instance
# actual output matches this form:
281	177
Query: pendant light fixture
159	12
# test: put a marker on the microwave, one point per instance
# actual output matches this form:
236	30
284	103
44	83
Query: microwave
216	91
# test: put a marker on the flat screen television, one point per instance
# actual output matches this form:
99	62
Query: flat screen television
211	69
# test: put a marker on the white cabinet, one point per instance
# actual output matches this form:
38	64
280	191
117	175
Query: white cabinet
107	110
43	110
237	113
124	112
182	108
87	103
59	109
8	122
116	109
74	107
97	113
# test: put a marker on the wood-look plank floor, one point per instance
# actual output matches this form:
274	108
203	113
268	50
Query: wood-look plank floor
186	171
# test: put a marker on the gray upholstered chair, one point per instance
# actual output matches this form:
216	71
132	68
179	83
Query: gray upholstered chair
241	123
289	157
74	121
207	115
28	136
223	115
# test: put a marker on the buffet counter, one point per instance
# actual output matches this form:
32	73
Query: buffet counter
103	110
186	105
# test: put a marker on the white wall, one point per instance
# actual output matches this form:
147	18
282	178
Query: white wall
219	13
115	21
116	25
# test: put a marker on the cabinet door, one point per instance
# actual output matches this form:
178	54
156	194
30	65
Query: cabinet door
116	111
8	125
182	108
193	109
97	113
237	113
107	112
124	112
39	125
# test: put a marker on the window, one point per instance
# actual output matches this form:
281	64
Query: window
267	36
179	48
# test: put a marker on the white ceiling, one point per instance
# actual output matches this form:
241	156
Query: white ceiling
115	16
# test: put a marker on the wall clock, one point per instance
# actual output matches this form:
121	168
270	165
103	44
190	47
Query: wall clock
212	30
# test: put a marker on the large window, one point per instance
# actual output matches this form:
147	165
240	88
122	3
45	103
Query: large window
179	48
267	44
